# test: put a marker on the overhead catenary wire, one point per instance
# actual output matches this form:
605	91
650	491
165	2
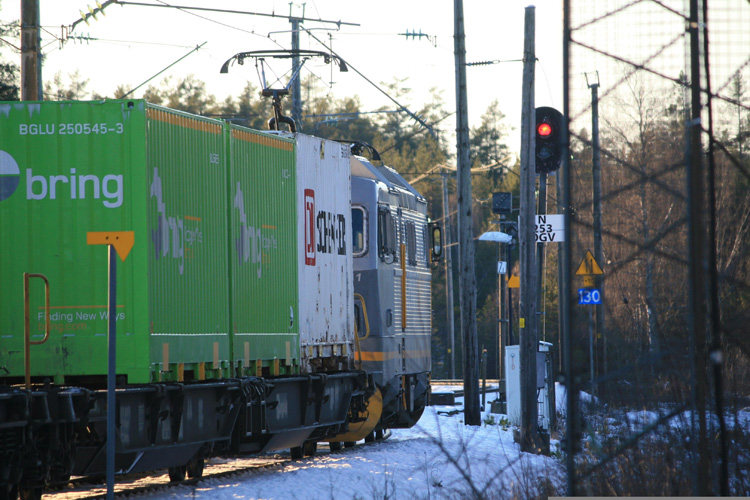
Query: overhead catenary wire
401	106
163	70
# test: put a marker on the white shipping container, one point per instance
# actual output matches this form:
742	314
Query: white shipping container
326	276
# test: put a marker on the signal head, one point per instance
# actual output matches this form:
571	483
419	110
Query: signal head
549	144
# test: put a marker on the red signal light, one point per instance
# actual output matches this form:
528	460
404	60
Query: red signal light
544	129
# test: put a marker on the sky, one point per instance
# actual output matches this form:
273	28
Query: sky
132	43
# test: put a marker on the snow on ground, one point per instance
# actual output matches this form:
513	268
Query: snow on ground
439	458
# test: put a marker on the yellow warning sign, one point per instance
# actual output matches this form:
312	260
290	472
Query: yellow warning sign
514	282
589	265
121	240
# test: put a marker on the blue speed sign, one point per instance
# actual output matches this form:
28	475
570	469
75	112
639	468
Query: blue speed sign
589	296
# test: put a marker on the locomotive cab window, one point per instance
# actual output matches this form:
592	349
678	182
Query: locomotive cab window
411	243
359	231
386	235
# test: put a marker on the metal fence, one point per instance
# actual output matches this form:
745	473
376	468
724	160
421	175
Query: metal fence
658	184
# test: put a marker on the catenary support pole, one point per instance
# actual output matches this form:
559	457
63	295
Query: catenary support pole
696	254
716	354
31	81
571	433
296	84
527	230
468	280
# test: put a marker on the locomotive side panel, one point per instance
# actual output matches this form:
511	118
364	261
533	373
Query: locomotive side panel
325	254
393	277
263	253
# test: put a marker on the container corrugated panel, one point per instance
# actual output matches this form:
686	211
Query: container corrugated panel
187	243
68	168
263	253
325	260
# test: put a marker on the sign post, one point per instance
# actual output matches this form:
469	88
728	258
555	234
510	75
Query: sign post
588	295
120	243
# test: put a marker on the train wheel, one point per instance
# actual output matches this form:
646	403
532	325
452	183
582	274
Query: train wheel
296	452
378	434
9	491
195	467
31	491
310	448
349	444
335	446
177	473
370	437
59	481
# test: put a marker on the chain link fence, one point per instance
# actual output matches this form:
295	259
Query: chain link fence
658	99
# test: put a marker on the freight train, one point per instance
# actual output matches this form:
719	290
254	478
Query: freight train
272	291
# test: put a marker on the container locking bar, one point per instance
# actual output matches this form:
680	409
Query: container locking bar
27	342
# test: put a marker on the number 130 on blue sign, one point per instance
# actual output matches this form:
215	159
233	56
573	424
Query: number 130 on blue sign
589	296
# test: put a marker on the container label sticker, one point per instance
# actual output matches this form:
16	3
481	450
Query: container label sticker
309	227
331	233
75	186
325	232
170	234
250	240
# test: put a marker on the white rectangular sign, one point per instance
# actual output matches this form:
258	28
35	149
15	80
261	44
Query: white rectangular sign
550	228
502	267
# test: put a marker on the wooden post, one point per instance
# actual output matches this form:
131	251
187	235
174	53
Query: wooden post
527	230
449	277
468	281
30	64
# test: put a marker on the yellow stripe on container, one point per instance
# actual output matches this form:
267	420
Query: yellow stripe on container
183	121
265	140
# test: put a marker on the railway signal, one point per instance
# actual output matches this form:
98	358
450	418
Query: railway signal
549	125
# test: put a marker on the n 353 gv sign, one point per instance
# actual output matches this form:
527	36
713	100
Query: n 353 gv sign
550	228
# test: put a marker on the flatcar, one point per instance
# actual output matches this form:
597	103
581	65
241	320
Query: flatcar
272	292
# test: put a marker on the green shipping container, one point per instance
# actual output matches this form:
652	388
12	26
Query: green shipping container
263	253
70	168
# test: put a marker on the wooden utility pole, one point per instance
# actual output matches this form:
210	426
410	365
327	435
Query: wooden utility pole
449	276
296	84
696	254
30	57
527	230
467	281
601	346
572	432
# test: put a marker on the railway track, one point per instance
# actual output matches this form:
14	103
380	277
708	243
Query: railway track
83	489
215	468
